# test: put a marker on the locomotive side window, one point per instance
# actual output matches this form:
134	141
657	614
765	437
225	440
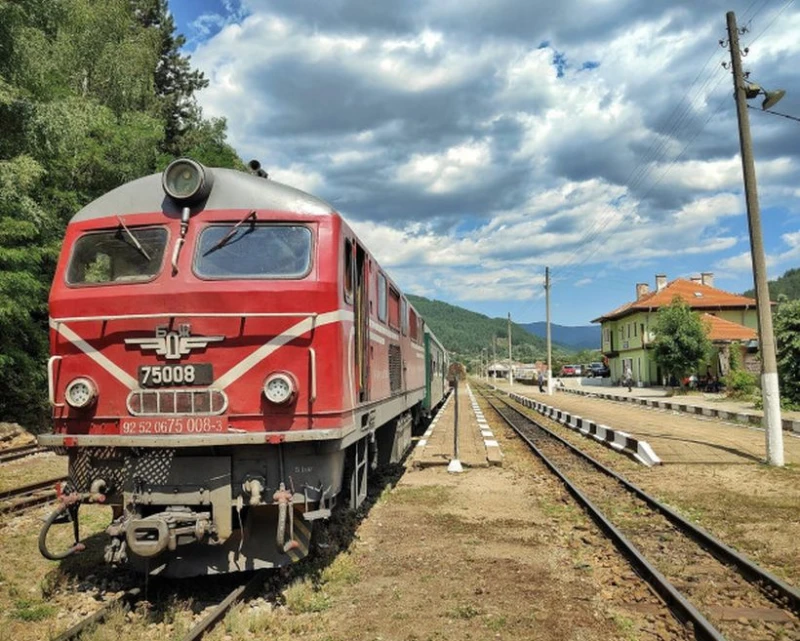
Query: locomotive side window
404	316
381	297
412	321
253	251
394	308
119	256
348	271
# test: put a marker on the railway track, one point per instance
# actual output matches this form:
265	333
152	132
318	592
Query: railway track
721	593
28	496
15	453
129	599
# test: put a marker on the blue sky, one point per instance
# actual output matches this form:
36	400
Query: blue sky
471	144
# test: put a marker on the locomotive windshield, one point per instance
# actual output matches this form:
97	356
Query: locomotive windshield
122	255
254	251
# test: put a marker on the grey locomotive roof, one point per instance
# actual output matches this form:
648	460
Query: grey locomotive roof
231	190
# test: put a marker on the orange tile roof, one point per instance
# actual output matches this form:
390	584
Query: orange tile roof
725	330
697	295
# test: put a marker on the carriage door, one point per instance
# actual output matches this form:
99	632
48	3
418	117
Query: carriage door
361	322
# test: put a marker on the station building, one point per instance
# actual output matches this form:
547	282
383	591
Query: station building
627	338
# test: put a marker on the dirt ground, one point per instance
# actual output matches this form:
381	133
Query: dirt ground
493	553
752	507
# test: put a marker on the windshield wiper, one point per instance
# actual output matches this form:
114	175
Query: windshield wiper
134	240
221	242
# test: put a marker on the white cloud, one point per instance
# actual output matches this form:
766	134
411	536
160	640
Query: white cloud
468	160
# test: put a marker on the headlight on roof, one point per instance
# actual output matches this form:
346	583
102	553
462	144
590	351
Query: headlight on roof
81	392
279	388
186	180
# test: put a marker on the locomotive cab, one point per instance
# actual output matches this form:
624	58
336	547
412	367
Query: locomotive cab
227	359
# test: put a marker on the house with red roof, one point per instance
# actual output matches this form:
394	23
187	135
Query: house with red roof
627	337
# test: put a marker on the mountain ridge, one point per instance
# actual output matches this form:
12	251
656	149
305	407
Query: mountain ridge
574	336
465	333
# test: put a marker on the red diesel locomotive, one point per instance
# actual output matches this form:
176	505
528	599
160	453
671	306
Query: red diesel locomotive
228	362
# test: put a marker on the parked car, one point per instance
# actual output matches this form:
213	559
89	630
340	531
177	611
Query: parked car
598	370
578	370
568	370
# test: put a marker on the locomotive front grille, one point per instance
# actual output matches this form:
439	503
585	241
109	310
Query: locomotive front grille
169	402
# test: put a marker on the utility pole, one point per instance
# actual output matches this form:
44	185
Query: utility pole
766	339
510	368
549	345
494	356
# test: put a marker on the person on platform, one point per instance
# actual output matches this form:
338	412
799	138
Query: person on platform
541	382
628	377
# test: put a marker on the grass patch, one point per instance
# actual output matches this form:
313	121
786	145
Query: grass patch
28	610
464	611
625	625
428	495
496	622
342	572
303	597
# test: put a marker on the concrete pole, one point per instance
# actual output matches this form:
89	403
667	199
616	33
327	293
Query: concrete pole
766	339
510	366
494	356
549	344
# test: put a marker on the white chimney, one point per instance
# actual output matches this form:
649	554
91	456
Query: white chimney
707	279
697	279
642	289
661	282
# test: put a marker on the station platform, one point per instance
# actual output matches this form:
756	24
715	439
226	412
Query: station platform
477	445
674	437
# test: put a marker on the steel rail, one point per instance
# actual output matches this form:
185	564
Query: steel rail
14	453
720	550
683	609
216	615
27	496
126	600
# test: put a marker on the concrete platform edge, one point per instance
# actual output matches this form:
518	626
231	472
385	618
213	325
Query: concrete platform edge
617	440
788	424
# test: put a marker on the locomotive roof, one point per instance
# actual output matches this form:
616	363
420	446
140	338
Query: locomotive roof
232	190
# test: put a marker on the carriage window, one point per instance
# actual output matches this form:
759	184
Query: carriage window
119	256
254	251
348	271
382	297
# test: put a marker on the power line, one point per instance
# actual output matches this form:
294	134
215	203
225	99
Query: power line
596	232
771	22
774	113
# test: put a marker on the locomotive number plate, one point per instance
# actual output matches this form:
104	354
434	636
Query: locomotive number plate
174	425
158	375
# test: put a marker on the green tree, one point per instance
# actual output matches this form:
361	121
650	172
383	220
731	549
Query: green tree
787	339
27	257
681	341
93	93
175	80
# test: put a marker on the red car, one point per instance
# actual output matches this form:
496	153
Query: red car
568	370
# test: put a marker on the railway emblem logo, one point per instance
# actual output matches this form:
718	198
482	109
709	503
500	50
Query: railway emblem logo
173	344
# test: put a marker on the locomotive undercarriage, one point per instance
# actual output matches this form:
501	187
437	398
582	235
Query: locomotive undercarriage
189	511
